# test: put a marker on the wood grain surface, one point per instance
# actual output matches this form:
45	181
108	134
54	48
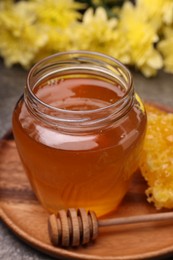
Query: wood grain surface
23	214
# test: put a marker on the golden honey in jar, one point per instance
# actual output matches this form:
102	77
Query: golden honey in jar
79	130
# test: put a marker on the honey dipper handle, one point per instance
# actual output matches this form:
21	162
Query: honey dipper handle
136	219
79	227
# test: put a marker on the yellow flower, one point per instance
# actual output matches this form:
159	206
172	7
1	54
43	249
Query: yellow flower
31	30
168	12
20	38
98	33
157	11
56	18
95	32
140	37
165	47
57	40
56	13
5	4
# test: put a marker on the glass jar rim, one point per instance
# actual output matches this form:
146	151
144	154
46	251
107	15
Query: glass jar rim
73	52
100	64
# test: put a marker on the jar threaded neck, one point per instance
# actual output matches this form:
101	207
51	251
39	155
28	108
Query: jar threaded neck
84	65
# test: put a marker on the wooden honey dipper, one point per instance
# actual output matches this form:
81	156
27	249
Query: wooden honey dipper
79	227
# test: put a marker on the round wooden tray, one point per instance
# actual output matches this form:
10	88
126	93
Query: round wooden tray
23	214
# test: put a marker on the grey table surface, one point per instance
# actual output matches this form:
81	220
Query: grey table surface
158	89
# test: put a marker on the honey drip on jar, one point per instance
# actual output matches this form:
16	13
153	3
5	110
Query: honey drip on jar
70	169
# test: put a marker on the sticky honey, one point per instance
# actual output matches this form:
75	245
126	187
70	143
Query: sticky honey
76	148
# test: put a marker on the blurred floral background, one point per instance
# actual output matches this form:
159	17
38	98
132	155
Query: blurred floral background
138	33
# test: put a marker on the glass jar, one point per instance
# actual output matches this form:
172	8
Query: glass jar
79	130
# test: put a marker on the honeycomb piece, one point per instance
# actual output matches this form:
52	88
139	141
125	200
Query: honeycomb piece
157	160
